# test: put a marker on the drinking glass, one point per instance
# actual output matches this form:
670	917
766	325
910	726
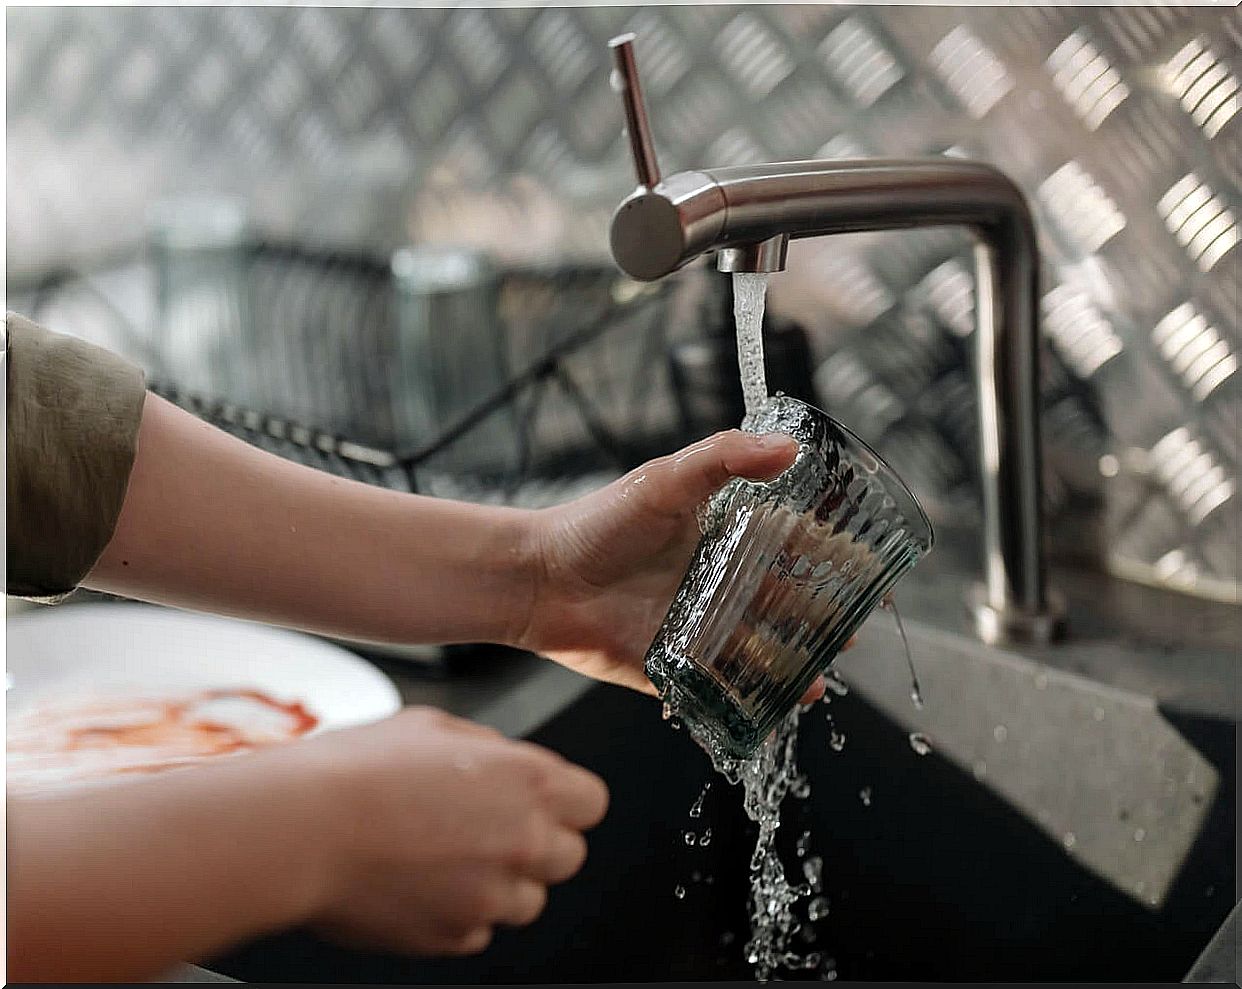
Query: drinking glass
785	572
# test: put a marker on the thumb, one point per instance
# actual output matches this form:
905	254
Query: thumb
679	483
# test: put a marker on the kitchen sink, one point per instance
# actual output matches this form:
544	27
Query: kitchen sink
1060	828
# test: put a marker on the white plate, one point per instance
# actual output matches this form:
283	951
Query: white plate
76	653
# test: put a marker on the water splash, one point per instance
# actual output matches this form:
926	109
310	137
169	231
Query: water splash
920	743
766	778
749	297
833	681
679	891
865	796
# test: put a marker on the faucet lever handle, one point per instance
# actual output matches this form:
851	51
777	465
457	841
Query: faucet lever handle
625	81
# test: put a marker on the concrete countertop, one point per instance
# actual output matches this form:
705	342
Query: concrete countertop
1222	958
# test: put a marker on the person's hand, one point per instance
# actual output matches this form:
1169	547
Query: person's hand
610	562
451	830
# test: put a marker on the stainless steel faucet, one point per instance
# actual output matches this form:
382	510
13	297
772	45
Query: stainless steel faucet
747	215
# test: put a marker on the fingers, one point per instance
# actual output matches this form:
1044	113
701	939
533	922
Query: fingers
814	692
523	901
566	852
678	483
574	796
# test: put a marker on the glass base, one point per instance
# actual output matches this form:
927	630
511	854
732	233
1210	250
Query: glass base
701	702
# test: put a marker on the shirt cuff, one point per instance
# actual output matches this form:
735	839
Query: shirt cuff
73	412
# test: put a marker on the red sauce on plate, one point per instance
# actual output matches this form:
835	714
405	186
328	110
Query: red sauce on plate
156	734
176	724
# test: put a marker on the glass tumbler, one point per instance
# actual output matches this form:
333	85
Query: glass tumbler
785	572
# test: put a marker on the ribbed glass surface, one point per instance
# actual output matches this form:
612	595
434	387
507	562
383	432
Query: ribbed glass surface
785	573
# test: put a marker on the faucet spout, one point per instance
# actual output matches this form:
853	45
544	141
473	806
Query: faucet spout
747	215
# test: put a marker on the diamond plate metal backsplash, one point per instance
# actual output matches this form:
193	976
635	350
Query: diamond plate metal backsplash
372	127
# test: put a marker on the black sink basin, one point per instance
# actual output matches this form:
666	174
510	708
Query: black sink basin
962	867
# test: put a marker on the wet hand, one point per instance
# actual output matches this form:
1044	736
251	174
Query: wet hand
609	563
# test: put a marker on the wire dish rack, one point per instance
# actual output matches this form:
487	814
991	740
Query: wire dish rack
298	351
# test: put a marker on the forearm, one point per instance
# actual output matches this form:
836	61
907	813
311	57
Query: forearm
121	883
212	523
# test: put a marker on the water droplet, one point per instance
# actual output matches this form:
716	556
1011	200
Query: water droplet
818	908
865	796
1070	839
980	769
696	809
1139	834
800	787
830	975
667	711
1098	714
690	838
836	741
1000	733
832	679
801	845
675	724
679	891
813	869
706	839
916	691
920	743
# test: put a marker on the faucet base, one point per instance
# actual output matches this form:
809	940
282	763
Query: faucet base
1010	626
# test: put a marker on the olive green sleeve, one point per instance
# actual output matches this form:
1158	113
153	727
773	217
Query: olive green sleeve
71	430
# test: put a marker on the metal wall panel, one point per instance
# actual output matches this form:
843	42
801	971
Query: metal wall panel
373	126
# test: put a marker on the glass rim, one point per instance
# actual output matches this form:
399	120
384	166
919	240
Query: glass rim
886	468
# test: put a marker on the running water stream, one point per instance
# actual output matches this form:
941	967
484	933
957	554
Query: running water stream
749	296
770	775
